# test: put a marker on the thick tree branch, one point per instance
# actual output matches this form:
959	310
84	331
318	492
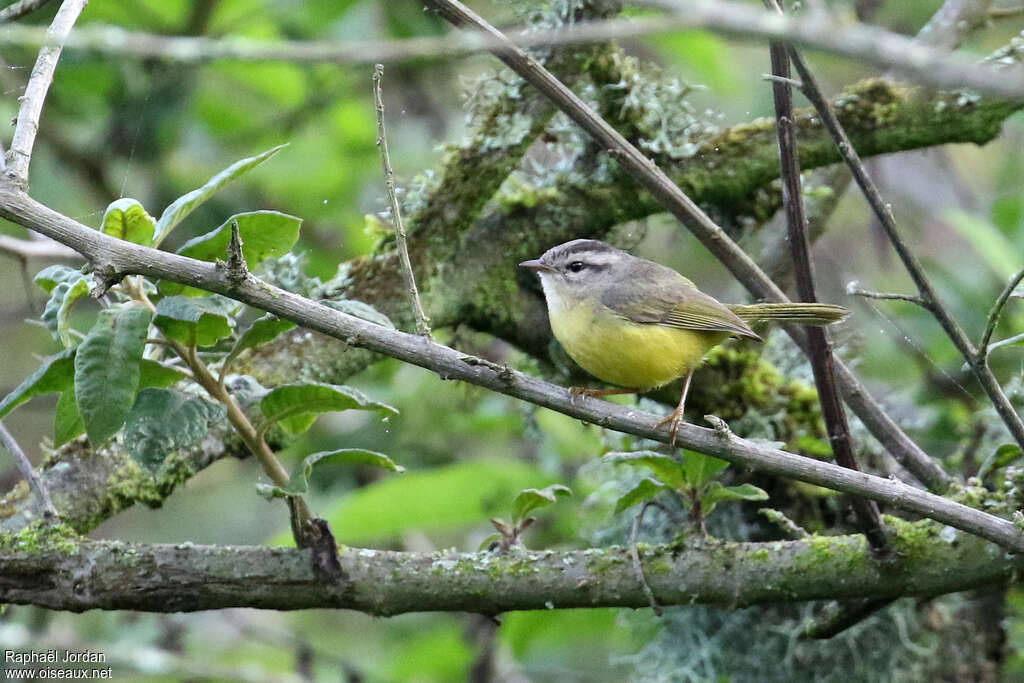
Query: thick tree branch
117	258
863	43
77	575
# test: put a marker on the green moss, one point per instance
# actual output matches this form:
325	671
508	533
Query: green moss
42	537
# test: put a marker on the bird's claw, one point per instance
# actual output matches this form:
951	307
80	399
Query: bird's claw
674	421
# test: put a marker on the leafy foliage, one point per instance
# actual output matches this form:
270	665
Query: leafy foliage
163	421
299	481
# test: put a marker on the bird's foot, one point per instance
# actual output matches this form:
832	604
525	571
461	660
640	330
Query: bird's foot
577	392
674	421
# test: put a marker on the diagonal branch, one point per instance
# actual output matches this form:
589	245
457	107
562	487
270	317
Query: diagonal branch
119	258
818	347
20	153
743	268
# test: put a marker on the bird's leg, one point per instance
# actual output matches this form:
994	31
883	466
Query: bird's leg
599	393
676	418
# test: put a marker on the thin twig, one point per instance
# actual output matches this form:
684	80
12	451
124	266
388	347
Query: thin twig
885	216
842	616
8	441
853	290
126	258
861	42
1005	342
41	249
634	552
743	268
1006	12
35	92
820	352
422	321
16	10
997	310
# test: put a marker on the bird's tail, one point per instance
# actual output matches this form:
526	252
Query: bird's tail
802	313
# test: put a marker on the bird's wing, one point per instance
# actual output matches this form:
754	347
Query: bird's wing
657	294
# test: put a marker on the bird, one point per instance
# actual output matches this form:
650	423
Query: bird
638	324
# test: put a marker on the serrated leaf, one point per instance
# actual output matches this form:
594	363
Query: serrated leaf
298	483
359	310
51	276
67	421
646	490
665	467
296	406
716	493
202	322
265	234
188	202
163	421
529	500
126	219
56	374
699	469
107	369
260	332
999	458
58	307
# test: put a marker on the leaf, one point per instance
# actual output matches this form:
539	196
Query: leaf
67	421
529	500
163	421
260	332
107	369
665	467
299	481
998	459
58	307
359	310
56	374
202	322
125	219
296	405
646	490
265	234
154	374
716	493
187	203
51	276
699	469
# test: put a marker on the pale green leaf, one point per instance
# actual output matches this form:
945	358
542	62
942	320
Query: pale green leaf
51	276
717	493
699	469
665	467
202	322
260	332
296	406
646	490
999	458
58	307
298	483
107	369
529	500
55	375
67	422
125	219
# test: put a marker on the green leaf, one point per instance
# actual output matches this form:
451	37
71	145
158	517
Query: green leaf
202	322
265	234
51	276
298	483
56	374
998	459
716	493
260	332
154	374
67	421
359	310
529	500
296	406
699	469
187	203
107	369
58	307
646	490
125	219
665	467
163	421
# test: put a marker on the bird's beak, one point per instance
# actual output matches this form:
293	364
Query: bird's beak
537	265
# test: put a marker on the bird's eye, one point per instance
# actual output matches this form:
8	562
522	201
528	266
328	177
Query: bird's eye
576	266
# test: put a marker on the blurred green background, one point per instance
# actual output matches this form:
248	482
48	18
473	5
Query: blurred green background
153	130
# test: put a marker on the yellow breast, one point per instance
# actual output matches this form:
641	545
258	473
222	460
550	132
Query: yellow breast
629	354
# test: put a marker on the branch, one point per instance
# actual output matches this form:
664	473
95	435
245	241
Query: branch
122	258
818	347
993	315
39	490
40	249
73	575
20	153
672	198
860	42
16	10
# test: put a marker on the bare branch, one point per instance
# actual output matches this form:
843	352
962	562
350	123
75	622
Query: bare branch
853	290
125	258
20	153
41	249
16	10
993	315
42	495
422	321
864	43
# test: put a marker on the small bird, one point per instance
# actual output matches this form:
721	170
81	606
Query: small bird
638	324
